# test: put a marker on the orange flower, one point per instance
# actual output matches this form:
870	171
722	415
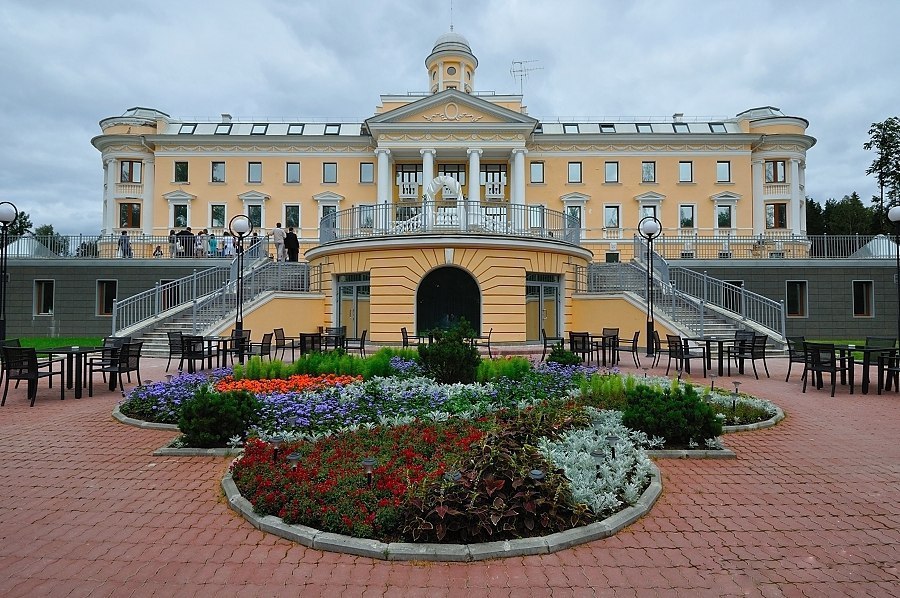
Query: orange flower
296	383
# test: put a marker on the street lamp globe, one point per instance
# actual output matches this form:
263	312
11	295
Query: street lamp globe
8	213
649	227
240	225
894	215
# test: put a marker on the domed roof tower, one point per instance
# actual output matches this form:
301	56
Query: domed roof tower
451	64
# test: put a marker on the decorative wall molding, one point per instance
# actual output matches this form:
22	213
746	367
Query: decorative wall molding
634	147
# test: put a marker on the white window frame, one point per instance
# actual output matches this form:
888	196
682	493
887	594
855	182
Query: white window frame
367	175
212	172
693	210
618	210
570	179
727	165
685	171
287	173
611	172
536	172
286	220
224	215
731	207
325	173
250	168
644	178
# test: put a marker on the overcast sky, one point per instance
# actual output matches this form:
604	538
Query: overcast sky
68	64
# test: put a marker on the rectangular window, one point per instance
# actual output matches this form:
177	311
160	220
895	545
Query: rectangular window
646	211
329	172
106	294
607	128
569	128
332	129
574	172
681	127
723	171
43	297
217	215
537	172
775	171
723	217
716	127
685	172
181	172
295	129
863	298
259	129
366	172
796	299
366	216
218	172
130	171
254	214
776	215
648	172
187	129
292	172
179	215
644	128
611	172
686	217
223	129
574	216
254	172
292	216
129	215
611	217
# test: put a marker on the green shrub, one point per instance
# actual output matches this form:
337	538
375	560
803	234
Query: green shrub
563	356
514	368
606	391
677	414
211	418
451	358
379	364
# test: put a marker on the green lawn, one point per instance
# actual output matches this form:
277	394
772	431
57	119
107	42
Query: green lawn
43	342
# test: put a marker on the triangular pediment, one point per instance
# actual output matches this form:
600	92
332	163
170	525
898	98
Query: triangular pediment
253	196
650	196
179	195
725	196
450	107
328	197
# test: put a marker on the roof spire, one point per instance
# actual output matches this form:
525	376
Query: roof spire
451	15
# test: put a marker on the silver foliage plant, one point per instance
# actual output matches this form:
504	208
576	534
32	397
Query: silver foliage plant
599	480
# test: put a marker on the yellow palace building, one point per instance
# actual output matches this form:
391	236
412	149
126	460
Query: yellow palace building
456	203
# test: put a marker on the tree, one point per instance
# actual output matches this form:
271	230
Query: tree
20	225
884	138
815	217
54	241
848	216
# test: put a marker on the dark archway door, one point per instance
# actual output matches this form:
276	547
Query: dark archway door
445	296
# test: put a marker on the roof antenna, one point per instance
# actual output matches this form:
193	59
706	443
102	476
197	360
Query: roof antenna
451	15
520	69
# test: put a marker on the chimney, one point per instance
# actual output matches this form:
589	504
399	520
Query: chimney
226	118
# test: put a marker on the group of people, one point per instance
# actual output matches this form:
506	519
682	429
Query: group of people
287	244
204	244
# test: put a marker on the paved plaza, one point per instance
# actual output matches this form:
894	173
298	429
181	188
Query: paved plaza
810	507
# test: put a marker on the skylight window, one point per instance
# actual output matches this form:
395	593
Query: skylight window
644	128
607	128
681	127
259	129
332	129
570	128
187	129
539	128
295	129
223	129
717	127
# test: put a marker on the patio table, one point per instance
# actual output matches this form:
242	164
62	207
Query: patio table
75	360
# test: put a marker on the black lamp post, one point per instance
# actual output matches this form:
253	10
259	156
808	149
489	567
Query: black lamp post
649	228
240	226
8	215
893	216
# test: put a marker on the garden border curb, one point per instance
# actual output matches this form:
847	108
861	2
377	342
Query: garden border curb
404	551
722	453
139	423
779	415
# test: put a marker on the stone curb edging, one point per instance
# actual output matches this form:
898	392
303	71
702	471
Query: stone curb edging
723	453
141	423
404	551
779	415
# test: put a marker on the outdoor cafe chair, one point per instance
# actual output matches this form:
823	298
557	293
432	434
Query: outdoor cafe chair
610	343
580	344
404	334
549	342
753	350
283	343
357	344
174	346
795	353
262	348
237	344
630	345
127	359
193	349
21	363
681	353
821	358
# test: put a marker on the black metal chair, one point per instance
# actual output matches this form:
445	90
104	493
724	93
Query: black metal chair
283	343
550	342
888	371
21	363
262	348
821	358
334	337
357	344
631	346
127	360
193	349
681	353
310	342
484	340
174	346
404	333
753	350
610	343
580	344
657	348
238	344
795	352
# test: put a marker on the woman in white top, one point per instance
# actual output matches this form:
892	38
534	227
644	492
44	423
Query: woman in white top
227	244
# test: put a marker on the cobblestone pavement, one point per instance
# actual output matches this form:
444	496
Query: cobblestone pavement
809	508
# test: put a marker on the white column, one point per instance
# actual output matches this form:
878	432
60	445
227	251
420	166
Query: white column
796	197
427	165
383	186
109	196
517	189
147	207
475	175
759	204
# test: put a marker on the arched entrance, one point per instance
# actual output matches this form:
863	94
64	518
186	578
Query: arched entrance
446	295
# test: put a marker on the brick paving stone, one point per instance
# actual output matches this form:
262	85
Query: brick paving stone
809	508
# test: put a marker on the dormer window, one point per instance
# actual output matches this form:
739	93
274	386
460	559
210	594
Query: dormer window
295	129
607	128
569	128
259	129
223	129
681	127
187	129
717	127
332	129
644	128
